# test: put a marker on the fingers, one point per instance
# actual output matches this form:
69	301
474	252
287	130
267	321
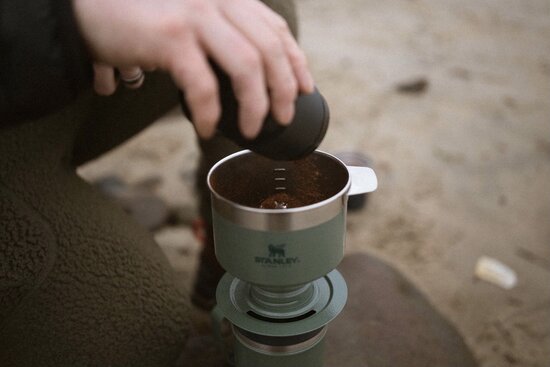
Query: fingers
104	79
191	72
243	63
295	55
279	75
299	63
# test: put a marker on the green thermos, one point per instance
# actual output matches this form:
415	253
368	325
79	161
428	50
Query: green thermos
281	288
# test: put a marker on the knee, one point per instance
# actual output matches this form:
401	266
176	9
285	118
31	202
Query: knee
84	287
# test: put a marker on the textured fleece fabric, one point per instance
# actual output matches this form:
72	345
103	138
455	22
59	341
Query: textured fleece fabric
80	283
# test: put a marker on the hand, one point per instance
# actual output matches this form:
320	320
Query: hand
249	41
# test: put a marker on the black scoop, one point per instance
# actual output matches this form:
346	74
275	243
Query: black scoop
297	140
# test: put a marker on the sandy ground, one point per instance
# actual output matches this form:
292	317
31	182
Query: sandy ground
463	164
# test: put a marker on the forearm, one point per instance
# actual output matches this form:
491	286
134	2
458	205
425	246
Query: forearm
43	62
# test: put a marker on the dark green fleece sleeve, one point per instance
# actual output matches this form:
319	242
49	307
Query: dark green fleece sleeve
43	60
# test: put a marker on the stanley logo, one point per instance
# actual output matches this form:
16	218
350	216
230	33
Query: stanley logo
276	256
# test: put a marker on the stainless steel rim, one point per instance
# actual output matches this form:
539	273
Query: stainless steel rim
279	219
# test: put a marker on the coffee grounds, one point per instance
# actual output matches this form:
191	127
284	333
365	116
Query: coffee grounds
281	200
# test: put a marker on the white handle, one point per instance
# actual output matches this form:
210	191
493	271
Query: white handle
363	180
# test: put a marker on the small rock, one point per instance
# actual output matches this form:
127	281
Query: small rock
180	248
415	86
493	271
146	208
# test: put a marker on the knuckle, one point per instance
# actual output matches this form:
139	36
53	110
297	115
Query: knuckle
290	88
202	92
198	87
172	26
280	24
255	104
251	60
286	92
299	61
299	58
250	67
273	46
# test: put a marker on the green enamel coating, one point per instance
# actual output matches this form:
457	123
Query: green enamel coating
279	258
232	303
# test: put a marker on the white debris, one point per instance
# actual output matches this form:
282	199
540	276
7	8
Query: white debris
493	271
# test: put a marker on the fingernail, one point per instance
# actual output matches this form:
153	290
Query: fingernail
204	127
285	115
201	132
250	129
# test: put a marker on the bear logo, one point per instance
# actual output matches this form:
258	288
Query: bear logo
276	250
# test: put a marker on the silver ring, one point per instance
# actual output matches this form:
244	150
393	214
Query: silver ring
134	80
